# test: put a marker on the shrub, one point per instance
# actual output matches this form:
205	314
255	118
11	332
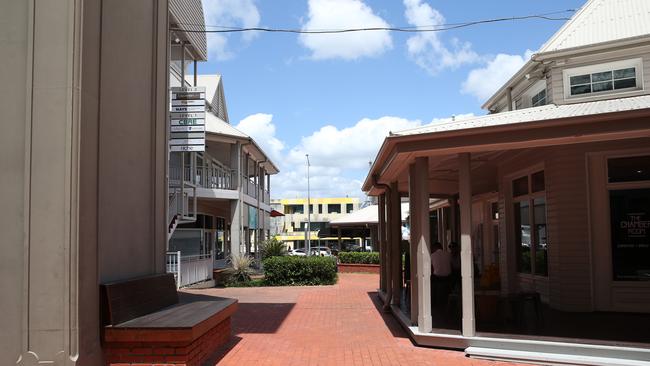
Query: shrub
272	248
240	272
252	283
299	271
359	257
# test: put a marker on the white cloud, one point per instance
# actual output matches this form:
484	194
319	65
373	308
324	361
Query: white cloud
339	157
229	13
261	128
339	14
427	49
485	81
350	147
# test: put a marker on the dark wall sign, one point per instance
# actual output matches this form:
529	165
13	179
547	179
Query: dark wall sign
630	224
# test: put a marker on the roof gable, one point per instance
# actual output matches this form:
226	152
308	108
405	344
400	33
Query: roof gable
214	93
600	21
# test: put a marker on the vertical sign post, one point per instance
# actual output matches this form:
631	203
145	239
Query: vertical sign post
187	130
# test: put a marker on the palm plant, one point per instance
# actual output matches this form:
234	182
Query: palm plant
272	248
240	268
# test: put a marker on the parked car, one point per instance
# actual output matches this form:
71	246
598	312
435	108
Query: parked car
297	252
322	251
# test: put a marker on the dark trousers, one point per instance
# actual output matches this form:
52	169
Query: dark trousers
439	290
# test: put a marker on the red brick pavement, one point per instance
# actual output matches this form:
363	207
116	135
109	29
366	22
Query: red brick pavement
328	325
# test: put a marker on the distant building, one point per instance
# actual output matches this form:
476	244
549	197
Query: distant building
221	205
291	227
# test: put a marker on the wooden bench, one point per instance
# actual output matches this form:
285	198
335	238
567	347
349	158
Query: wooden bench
147	322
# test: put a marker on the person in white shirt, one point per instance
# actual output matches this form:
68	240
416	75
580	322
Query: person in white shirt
440	261
440	274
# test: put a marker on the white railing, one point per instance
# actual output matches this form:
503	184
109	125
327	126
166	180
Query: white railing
189	269
213	176
196	268
173	260
250	187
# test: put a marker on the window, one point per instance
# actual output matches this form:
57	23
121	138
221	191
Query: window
534	96
320	208
538	99
349	207
494	208
537	180
522	236
628	169
530	224
333	208
630	223
294	209
629	205
520	186
605	78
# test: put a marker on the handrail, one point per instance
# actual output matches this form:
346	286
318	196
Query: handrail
205	176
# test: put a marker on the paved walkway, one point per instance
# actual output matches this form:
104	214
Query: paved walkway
328	325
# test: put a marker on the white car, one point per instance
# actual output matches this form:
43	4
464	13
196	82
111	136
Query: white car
322	251
297	252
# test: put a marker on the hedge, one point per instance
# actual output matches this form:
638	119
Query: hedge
299	271
359	257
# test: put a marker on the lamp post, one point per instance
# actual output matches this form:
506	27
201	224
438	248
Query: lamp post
308	211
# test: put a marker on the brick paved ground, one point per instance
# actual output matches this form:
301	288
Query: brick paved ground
328	325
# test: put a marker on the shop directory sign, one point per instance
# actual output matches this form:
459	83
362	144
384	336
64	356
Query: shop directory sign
187	126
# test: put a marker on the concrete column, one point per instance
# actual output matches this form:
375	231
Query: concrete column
466	260
420	245
381	228
236	205
395	230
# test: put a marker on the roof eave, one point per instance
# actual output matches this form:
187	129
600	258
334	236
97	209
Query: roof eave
463	133
516	77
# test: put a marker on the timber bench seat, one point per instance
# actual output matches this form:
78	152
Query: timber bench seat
147	322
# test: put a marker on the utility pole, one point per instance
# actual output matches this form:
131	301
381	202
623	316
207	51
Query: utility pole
308	211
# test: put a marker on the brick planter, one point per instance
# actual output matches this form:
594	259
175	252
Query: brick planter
168	351
358	268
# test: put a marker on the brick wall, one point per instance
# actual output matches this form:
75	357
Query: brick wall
168	353
358	268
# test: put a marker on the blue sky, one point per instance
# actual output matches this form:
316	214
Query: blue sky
336	97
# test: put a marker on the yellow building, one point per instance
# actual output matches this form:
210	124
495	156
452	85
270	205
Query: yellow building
291	227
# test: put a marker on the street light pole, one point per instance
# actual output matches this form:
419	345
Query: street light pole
308	210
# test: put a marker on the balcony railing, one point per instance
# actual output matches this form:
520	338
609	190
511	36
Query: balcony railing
211	176
254	190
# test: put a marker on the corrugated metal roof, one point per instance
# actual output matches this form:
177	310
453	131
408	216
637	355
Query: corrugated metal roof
543	113
188	14
214	124
601	21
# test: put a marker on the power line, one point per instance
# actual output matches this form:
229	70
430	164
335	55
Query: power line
406	29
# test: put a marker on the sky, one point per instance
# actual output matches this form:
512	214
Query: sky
336	97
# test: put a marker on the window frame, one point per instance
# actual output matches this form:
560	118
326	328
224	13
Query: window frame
636	63
529	198
536	89
620	186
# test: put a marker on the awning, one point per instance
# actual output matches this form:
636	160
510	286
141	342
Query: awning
275	213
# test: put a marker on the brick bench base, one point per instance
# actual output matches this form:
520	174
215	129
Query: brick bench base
168	352
358	268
